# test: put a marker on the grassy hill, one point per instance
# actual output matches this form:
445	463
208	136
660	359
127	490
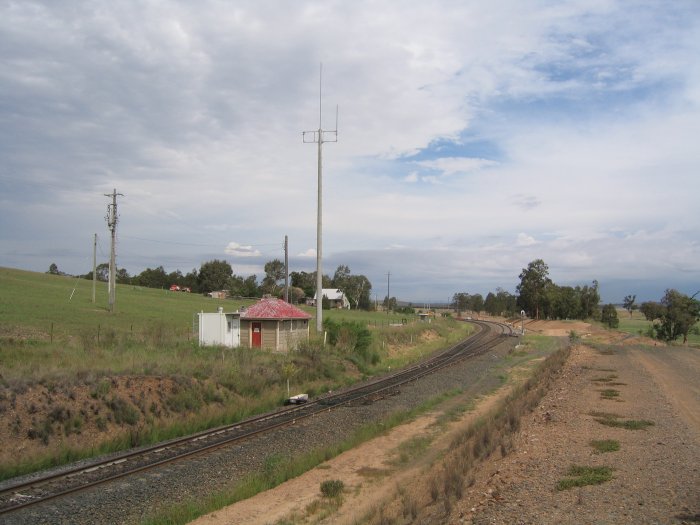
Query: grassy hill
77	380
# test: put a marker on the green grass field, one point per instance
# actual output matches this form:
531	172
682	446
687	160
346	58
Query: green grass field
62	354
638	325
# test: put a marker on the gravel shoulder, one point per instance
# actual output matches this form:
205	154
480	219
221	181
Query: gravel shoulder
656	477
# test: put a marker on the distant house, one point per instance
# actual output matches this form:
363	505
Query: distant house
220	328
274	325
335	296
218	294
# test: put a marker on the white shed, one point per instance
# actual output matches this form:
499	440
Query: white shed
220	328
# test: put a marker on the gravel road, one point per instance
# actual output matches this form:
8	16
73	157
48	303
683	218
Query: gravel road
656	474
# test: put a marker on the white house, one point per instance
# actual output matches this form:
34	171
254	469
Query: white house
220	328
336	297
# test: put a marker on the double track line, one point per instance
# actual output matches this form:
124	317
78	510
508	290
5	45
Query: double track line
75	479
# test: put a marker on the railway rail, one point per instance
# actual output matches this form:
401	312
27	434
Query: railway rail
14	497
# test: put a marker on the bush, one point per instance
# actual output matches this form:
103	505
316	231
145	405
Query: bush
332	488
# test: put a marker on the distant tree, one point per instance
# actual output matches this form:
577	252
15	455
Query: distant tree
244	287
53	269
652	310
460	302
274	273
341	276
590	299
358	289
214	275
102	271
628	303
609	316
304	280
152	278
390	303
296	295
191	280
325	303
681	314
122	276
476	303
531	290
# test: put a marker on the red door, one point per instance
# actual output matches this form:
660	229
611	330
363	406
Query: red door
257	335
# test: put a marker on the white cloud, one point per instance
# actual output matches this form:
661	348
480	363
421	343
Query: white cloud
311	252
237	250
575	123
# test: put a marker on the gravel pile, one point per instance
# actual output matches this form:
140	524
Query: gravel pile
131	499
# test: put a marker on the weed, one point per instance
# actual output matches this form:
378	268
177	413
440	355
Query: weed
582	476
605	445
410	449
609	393
123	411
605	379
615	420
332	488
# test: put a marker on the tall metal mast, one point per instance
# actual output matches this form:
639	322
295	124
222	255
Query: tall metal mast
319	137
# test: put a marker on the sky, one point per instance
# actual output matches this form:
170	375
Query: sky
473	137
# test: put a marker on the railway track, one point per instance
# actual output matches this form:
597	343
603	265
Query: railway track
18	496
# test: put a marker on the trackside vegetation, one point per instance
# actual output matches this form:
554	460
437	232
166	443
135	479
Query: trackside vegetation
69	369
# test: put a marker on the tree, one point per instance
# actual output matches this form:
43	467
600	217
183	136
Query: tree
681	314
152	278
476	303
244	287
274	273
341	276
53	269
628	303
214	275
531	290
609	316
102	272
652	310
358	289
122	276
460	302
304	280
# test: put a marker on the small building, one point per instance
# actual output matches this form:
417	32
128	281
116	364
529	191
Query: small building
218	294
220	328
273	324
335	296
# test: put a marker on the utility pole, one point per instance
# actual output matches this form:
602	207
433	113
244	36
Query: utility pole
94	267
286	269
319	137
112	219
388	292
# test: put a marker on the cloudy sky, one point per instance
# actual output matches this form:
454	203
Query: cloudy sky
474	137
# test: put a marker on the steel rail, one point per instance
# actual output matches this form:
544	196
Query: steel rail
11	498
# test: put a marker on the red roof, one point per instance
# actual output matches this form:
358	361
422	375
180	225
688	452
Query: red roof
274	309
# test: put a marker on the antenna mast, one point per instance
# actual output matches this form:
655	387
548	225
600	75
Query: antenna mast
319	137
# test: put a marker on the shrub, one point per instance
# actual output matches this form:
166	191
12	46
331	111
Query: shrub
332	488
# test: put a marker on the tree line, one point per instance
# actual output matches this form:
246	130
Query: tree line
218	275
674	316
538	296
